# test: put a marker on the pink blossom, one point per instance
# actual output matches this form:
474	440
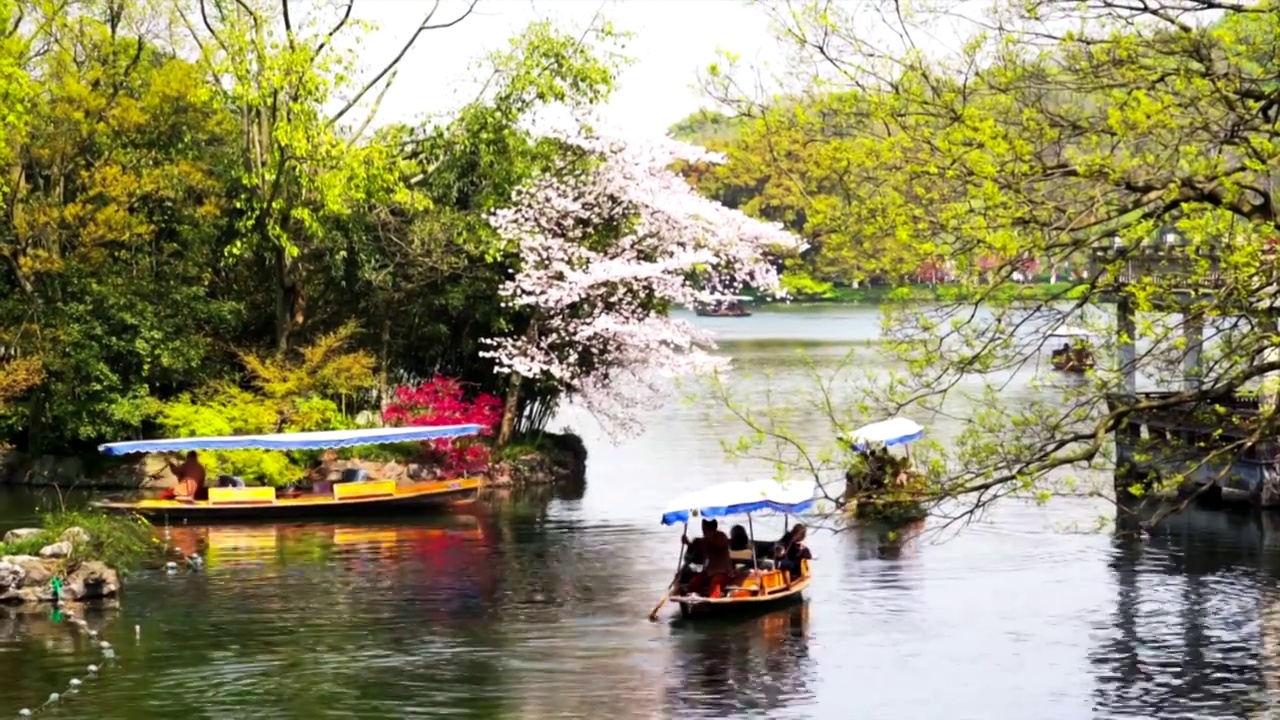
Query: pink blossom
603	250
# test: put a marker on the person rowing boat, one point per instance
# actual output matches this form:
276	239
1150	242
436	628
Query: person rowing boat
190	475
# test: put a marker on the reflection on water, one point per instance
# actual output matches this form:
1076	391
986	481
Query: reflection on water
725	668
512	615
1193	633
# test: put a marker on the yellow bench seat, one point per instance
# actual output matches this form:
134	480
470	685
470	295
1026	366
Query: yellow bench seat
258	495
367	489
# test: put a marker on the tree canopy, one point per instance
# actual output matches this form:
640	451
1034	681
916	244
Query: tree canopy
180	193
204	223
1139	140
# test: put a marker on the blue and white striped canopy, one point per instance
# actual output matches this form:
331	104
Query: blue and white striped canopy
738	498
886	433
323	440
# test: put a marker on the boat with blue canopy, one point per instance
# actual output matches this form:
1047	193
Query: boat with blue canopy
760	575
878	482
1076	353
886	434
355	493
320	440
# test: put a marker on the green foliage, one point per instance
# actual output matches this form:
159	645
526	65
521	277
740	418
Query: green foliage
1138	155
801	286
299	396
183	181
123	542
708	128
18	376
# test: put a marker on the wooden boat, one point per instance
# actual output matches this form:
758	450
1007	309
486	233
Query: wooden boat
731	308
881	485
1075	355
759	587
763	591
356	497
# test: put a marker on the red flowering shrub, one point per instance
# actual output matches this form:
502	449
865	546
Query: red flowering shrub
442	401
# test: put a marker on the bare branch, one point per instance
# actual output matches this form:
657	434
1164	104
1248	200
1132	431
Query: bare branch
424	26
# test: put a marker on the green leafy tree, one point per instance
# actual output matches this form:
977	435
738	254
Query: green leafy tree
308	393
1144	139
300	168
112	196
429	266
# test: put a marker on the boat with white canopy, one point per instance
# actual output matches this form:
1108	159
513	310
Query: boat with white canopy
755	583
1075	355
880	482
886	433
355	494
732	306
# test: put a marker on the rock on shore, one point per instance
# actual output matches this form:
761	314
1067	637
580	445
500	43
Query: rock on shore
31	578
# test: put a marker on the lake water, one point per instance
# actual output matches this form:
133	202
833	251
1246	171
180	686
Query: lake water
536	608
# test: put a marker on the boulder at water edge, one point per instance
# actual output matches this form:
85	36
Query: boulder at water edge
24	578
20	534
75	535
56	550
90	581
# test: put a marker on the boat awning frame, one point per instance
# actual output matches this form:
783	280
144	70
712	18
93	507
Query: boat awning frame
322	440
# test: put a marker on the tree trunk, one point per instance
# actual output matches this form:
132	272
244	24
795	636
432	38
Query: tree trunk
510	411
384	367
284	304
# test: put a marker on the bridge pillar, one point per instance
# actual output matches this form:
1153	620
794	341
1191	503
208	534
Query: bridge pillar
1193	333
1126	356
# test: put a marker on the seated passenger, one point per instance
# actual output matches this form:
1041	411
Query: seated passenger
792	550
694	557
741	549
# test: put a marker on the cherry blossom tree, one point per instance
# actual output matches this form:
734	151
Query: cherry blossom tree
607	245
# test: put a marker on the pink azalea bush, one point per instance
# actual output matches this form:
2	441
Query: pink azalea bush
443	401
605	248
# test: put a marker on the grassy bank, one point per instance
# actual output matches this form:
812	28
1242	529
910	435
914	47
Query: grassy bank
123	542
881	294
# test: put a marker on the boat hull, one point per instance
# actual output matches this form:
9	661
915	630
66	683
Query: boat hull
440	495
697	607
1067	363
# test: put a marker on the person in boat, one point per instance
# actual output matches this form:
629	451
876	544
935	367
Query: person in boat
190	475
745	554
718	570
791	550
695	557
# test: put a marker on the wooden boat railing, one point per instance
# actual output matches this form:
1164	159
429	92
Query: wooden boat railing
760	585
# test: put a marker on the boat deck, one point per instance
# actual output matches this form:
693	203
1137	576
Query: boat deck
377	496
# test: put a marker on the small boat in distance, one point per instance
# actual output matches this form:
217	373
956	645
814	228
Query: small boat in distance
724	307
1075	355
355	496
758	586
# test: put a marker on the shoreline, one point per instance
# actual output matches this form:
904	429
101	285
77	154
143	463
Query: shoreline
551	459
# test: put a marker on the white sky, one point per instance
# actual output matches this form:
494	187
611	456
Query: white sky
672	40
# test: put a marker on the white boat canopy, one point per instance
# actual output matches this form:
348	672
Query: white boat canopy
1070	331
737	498
323	440
886	433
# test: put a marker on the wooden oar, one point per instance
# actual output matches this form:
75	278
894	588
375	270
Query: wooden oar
679	564
658	608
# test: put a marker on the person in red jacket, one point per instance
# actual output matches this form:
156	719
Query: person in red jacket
190	475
